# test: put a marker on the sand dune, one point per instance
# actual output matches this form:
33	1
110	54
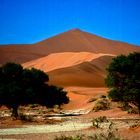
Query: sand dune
71	41
86	74
62	60
74	69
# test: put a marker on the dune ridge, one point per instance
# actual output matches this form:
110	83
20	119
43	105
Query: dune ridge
62	60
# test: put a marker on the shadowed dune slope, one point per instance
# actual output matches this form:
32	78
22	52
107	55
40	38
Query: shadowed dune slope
86	74
71	41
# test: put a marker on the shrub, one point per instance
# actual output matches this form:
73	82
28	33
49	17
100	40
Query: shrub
26	118
78	137
107	136
101	104
129	108
96	122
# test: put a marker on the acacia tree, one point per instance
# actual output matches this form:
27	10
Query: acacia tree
123	78
20	86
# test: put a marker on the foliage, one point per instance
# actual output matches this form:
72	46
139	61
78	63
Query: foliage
101	104
130	108
20	86
69	138
26	118
124	78
108	136
97	121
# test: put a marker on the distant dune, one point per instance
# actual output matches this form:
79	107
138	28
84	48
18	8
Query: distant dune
86	74
71	41
74	69
62	60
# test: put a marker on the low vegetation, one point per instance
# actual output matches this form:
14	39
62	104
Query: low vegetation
78	137
96	122
110	134
101	104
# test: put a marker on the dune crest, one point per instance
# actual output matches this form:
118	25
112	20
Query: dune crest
62	60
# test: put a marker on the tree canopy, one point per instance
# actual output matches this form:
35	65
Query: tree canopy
124	78
19	86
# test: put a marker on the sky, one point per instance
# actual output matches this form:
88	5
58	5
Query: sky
30	21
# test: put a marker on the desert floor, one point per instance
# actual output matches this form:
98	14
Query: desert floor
73	119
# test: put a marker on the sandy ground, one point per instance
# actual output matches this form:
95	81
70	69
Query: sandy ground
70	128
75	125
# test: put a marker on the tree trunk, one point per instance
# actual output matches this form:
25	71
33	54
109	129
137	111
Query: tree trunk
15	112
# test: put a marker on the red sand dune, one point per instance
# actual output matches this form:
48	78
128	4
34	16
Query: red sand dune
74	69
85	74
62	60
71	41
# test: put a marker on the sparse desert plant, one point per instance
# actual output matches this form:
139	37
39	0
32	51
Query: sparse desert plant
33	105
133	111
78	137
56	109
26	118
136	124
124	106
110	134
129	108
96	122
106	136
101	104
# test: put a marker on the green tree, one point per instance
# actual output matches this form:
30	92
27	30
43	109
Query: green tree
20	86
123	78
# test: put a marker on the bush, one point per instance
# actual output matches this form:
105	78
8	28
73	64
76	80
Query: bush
108	136
26	118
130	109
101	104
69	138
97	121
